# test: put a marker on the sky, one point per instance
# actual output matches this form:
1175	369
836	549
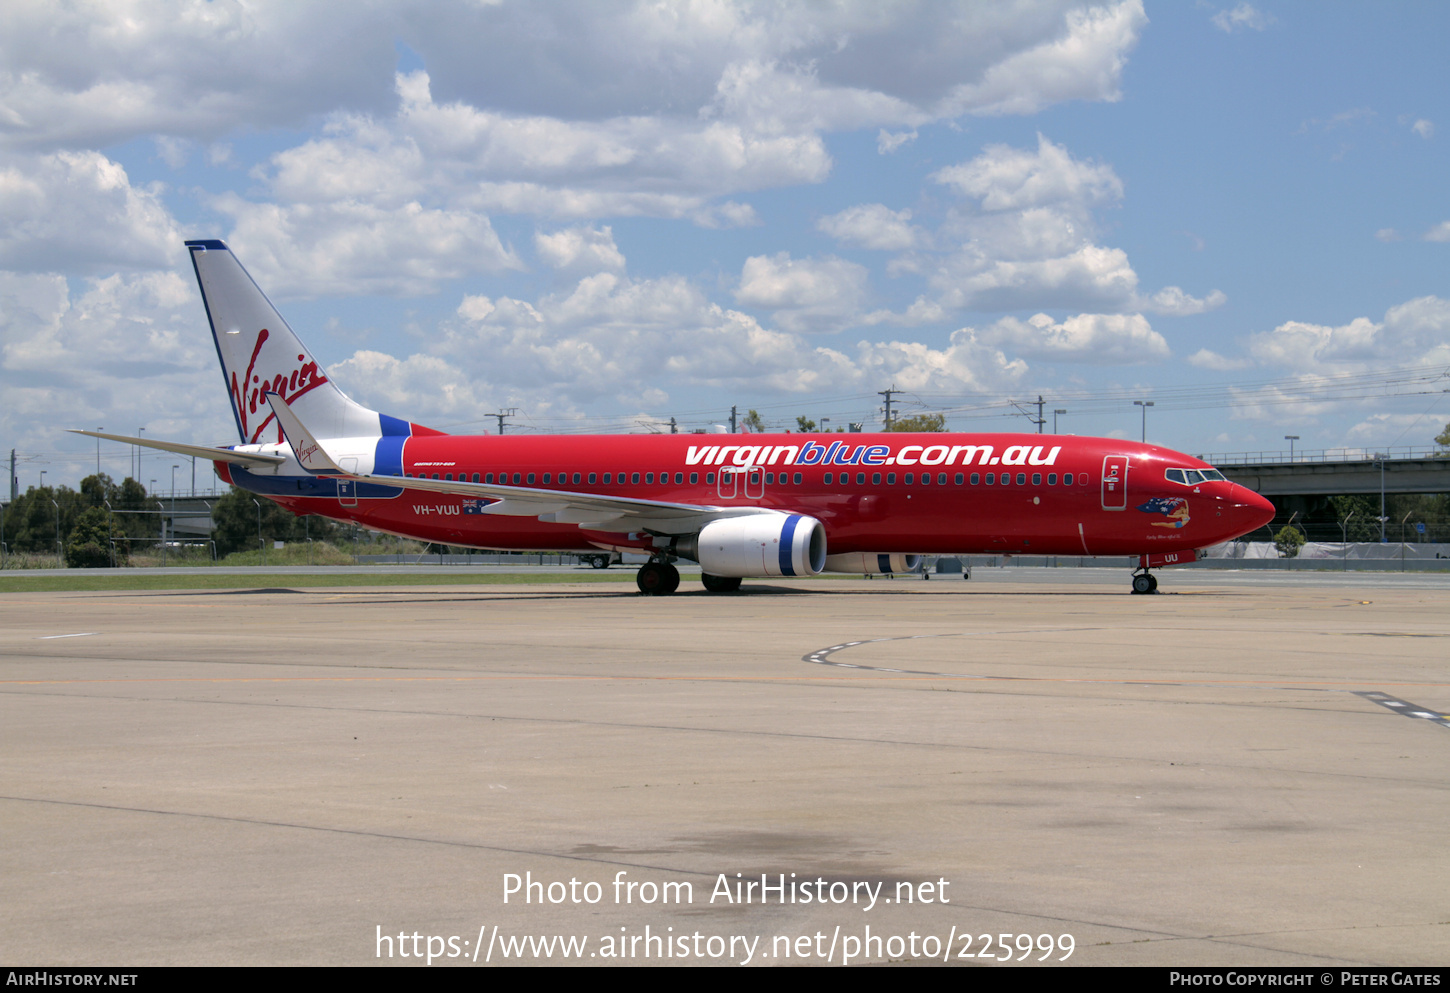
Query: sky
603	214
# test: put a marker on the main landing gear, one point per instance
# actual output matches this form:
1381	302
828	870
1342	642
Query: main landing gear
657	578
1145	582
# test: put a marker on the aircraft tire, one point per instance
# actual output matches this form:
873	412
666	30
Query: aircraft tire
1153	584
1143	583
720	584
657	578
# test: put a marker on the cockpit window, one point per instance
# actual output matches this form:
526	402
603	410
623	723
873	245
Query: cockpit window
1192	477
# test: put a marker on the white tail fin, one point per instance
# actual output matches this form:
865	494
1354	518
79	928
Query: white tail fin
260	353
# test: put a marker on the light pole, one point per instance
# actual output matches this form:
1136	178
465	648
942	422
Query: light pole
259	532
1381	457
1145	404
173	502
1291	438
1344	533
824	422
1060	410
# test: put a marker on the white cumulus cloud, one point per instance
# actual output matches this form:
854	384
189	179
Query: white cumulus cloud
1105	339
872	225
804	294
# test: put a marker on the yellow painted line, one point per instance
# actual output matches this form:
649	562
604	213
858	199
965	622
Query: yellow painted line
894	677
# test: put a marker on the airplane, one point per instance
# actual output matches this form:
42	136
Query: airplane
742	506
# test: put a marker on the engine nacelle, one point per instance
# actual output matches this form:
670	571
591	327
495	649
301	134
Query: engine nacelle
873	563
761	545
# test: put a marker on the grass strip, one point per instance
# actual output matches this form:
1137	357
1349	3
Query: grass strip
130	579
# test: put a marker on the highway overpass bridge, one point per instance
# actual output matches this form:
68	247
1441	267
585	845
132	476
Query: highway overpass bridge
1337	471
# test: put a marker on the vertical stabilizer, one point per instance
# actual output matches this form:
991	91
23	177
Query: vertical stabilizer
259	354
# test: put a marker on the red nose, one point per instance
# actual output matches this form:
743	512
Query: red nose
1251	509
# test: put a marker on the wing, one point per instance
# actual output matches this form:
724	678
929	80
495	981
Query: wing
591	511
198	451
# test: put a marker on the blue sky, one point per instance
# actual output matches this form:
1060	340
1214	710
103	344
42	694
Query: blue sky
608	214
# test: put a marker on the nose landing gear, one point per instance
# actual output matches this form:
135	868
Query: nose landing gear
1145	582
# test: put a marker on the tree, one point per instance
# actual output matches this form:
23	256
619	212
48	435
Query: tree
1443	438
1288	541
753	422
920	422
235	523
89	543
34	517
804	424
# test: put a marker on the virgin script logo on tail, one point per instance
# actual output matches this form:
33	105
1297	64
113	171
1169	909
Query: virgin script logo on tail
248	392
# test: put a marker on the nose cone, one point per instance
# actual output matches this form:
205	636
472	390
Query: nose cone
1251	510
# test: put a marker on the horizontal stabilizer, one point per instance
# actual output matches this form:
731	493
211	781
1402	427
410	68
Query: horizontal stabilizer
195	451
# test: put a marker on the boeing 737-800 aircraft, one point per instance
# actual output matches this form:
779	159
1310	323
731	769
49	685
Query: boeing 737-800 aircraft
742	506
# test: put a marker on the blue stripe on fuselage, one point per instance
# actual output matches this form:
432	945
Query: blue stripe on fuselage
306	486
388	456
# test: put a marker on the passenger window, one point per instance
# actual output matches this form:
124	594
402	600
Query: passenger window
909	478
976	478
634	478
516	479
797	479
576	479
531	479
488	478
1067	479
926	479
593	478
679	478
1037	479
606	479
649	477
860	479
876	479
770	478
1052	479
828	479
891	479
694	478
941	479
959	479
448	476
1022	479
709	479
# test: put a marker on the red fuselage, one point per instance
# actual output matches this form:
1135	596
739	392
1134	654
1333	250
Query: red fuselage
913	493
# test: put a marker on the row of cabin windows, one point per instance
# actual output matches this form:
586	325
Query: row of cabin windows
521	478
783	478
960	479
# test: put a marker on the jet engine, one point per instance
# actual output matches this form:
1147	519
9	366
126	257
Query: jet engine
761	545
873	563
